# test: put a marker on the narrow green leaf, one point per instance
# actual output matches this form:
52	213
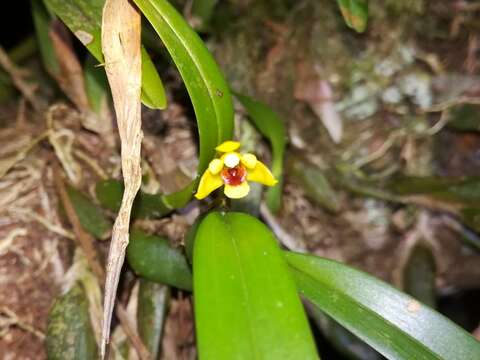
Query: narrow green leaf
355	13
393	323
109	194
246	306
42	22
91	217
205	84
153	95
152	306
341	339
96	84
314	183
272	127
203	10
464	117
69	332
153	258
463	190
84	19
7	90
419	275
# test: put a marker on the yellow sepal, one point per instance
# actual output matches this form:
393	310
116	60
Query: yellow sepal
261	174
208	183
228	146
237	191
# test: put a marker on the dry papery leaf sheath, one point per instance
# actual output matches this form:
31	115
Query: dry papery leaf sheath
121	48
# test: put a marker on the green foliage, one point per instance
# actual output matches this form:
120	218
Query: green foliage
355	13
42	21
392	322
91	217
464	118
110	192
419	275
246	306
96	84
152	307
69	332
315	184
203	11
153	258
205	84
271	126
84	18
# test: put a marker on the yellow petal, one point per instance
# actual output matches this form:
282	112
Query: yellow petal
215	166
237	191
261	174
228	146
249	160
208	183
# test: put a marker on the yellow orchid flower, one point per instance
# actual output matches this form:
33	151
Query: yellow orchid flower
234	170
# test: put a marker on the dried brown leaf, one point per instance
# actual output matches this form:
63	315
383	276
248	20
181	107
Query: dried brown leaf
70	78
121	48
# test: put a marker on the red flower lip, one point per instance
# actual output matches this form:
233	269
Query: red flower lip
234	176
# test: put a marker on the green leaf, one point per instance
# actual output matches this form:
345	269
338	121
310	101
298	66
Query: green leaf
91	217
153	258
347	344
84	19
464	117
153	94
246	305
314	183
69	331
463	190
419	275
272	127
205	84
152	306
390	321
42	22
203	10
109	194
355	13
96	84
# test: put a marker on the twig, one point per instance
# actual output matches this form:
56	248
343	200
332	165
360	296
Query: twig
86	242
27	90
284	237
84	239
381	151
14	320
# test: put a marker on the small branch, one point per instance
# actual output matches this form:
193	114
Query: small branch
14	320
284	237
84	239
28	90
86	242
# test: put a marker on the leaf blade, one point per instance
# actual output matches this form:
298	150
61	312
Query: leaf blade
84	19
393	323
272	127
205	84
355	13
245	301
153	258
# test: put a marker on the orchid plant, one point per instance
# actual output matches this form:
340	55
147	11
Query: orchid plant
246	288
